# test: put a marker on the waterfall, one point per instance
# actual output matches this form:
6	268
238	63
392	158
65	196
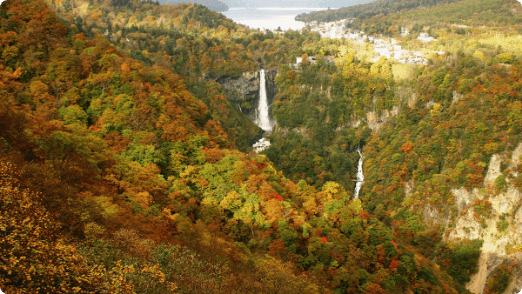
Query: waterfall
262	119
360	175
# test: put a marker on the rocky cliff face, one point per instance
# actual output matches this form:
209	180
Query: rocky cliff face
271	89
493	215
376	120
243	91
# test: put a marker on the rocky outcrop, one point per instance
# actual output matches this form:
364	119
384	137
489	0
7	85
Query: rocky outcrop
498	224
243	91
489	266
376	121
457	96
412	99
515	284
490	214
271	88
301	131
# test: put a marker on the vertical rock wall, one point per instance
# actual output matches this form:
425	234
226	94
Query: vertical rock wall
271	89
243	91
500	229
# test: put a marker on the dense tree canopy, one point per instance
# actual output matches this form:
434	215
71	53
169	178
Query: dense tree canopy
119	168
364	11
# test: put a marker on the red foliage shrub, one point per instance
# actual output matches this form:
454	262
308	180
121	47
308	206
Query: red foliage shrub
394	264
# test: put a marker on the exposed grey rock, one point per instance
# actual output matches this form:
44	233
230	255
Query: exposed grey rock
457	96
501	228
488	264
243	91
375	121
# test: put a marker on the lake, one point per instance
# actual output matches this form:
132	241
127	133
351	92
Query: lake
268	17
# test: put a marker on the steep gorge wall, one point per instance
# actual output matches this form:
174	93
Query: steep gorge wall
377	119
243	91
271	88
492	215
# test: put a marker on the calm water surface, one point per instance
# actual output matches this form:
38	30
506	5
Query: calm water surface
268	17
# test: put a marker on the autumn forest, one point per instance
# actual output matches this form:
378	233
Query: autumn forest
126	168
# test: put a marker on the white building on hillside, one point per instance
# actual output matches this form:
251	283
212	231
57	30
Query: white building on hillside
423	37
261	145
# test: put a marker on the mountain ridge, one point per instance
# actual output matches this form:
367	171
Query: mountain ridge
364	11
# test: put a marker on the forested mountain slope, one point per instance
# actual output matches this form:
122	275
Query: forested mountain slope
441	142
192	41
172	35
470	17
115	179
214	5
367	10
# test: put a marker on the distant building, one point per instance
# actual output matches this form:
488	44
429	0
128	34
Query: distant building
261	145
311	59
459	26
423	37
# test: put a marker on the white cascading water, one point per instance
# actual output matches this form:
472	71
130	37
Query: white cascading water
360	175
262	119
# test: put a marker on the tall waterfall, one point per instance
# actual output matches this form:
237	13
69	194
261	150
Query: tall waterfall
262	119
360	175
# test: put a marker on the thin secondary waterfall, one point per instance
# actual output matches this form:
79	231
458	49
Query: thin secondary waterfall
360	175
262	119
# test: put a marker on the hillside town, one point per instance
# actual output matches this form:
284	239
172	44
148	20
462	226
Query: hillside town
387	47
